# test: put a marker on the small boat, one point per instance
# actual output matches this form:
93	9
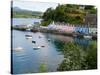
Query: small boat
28	29
94	37
87	36
36	48
18	49
42	46
33	41
28	36
40	37
49	40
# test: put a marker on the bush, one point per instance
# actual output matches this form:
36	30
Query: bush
76	58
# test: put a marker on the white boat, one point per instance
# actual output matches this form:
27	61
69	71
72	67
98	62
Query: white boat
28	36
18	49
28	29
87	36
36	47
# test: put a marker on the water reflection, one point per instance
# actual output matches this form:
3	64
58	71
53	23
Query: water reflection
83	42
54	56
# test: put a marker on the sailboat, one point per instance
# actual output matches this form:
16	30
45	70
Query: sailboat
88	36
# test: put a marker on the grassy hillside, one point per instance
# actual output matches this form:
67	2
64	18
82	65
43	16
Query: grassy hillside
21	13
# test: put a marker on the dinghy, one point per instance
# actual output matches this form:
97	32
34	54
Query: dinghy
49	40
87	36
42	46
36	48
33	41
18	49
40	37
28	36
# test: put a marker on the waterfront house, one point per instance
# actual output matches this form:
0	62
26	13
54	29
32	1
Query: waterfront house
61	27
69	28
93	30
90	19
85	30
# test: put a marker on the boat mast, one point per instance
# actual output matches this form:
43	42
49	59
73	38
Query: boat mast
88	27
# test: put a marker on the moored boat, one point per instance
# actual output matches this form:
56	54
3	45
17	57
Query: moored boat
87	36
36	47
18	49
28	36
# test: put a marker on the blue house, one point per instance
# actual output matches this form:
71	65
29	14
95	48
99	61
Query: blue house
81	29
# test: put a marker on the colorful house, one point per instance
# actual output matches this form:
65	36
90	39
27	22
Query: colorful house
72	28
93	30
81	29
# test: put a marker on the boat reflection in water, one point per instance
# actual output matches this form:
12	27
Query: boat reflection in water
43	52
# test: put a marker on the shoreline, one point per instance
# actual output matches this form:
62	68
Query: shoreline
78	35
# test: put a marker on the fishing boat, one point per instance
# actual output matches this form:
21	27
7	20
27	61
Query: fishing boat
28	36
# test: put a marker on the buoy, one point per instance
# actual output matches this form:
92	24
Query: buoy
33	41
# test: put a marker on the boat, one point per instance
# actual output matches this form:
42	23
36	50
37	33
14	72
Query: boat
18	49
94	37
28	29
40	37
87	36
49	40
28	36
36	48
42	46
33	41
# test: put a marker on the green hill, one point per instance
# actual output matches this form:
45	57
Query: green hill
21	13
67	13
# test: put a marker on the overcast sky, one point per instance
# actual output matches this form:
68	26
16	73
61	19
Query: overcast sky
34	6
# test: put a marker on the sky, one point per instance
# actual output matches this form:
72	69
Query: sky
34	6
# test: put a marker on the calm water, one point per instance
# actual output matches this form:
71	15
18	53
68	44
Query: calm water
26	21
29	60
